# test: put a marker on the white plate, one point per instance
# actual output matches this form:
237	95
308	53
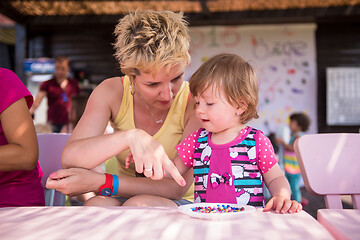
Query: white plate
188	210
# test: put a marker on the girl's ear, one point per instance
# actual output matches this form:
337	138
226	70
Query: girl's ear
242	106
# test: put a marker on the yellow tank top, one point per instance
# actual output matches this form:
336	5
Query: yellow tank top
169	134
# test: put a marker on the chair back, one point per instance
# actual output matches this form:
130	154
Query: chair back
330	166
51	146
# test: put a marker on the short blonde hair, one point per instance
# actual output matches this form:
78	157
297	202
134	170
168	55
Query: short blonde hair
232	75
150	40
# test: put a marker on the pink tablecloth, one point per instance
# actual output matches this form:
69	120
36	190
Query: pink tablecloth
150	223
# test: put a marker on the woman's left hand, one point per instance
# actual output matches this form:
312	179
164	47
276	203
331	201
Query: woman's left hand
75	181
282	204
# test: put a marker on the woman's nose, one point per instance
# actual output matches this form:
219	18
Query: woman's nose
167	92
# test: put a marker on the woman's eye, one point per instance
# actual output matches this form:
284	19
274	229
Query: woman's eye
152	84
175	79
209	104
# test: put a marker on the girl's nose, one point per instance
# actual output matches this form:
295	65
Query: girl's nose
199	108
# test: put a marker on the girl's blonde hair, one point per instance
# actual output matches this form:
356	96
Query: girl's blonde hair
150	40
232	75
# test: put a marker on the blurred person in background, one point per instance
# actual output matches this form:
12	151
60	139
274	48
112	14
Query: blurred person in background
299	124
59	90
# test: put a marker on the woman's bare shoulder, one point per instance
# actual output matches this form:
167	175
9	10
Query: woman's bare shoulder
110	88
114	83
108	94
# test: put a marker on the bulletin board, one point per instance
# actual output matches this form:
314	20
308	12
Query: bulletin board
343	96
283	57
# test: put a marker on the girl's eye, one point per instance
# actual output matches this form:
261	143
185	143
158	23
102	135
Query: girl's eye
209	104
196	104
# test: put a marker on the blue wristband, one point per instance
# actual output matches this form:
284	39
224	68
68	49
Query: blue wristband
115	184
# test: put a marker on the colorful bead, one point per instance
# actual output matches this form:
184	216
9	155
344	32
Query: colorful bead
217	209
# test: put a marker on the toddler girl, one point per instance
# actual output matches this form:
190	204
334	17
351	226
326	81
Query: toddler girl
231	160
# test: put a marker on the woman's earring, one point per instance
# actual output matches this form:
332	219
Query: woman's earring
132	88
237	114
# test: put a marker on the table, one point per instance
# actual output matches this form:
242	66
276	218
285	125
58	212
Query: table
341	223
148	223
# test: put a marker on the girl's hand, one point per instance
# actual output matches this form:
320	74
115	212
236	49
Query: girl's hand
129	159
282	204
75	181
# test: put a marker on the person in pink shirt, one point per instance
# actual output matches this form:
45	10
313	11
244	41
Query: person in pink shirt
231	160
20	172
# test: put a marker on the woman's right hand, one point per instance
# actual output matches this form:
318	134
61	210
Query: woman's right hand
75	181
150	157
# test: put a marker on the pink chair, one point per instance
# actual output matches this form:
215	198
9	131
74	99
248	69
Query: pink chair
51	146
330	165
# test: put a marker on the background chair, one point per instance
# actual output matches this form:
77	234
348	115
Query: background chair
330	166
51	146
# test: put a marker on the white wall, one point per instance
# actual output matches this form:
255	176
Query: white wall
284	58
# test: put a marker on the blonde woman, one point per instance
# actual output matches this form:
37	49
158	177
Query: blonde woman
151	110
